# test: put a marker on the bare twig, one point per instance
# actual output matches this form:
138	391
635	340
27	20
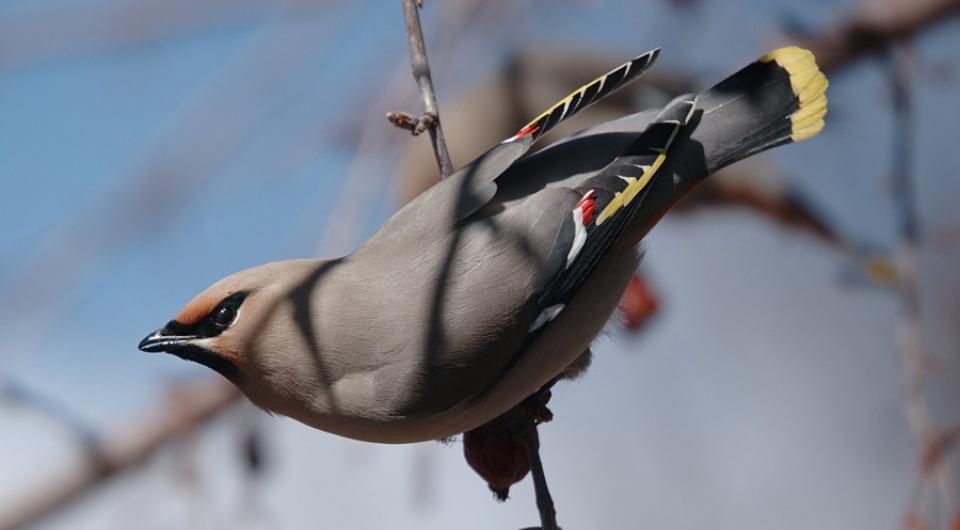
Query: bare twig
411	123
548	515
530	413
421	73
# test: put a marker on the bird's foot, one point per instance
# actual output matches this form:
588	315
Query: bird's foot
535	406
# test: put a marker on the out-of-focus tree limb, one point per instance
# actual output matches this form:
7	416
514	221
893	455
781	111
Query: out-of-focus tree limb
873	27
71	30
190	406
915	357
210	128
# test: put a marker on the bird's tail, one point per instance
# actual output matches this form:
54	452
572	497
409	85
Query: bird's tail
778	99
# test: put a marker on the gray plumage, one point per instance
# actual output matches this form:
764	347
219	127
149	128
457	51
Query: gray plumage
493	281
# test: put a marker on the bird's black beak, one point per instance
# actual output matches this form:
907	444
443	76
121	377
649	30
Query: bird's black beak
167	339
179	339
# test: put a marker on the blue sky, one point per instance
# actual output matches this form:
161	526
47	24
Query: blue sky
758	345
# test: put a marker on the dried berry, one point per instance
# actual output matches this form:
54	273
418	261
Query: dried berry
496	453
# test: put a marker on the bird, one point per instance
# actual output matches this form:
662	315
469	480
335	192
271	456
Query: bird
495	280
533	78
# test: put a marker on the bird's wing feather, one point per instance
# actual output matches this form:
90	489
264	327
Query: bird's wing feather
523	264
457	197
607	203
585	96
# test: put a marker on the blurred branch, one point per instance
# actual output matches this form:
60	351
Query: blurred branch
421	73
189	407
871	30
914	355
212	126
16	392
68	31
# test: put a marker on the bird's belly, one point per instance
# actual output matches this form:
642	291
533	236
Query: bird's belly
561	342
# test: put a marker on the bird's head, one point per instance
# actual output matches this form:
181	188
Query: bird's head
200	332
245	327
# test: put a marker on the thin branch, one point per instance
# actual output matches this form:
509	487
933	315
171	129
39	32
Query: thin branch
548	514
421	73
531	412
415	125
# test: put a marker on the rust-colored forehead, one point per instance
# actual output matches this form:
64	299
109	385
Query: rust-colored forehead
249	281
198	308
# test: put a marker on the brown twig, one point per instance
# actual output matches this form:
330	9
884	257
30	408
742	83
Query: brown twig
532	412
548	514
430	120
415	125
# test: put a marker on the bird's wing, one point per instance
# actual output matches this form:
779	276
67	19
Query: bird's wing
778	99
474	298
583	97
465	302
453	199
607	202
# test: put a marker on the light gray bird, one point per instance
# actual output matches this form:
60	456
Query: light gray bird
492	282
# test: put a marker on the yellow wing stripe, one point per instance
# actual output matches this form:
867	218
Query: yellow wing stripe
809	85
630	69
565	101
623	198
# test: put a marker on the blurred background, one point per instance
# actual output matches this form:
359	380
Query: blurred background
788	356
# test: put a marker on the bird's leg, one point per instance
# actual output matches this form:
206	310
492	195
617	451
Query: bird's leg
504	449
535	408
532	412
536	404
499	449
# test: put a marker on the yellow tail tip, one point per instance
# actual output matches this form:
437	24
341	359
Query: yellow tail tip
809	85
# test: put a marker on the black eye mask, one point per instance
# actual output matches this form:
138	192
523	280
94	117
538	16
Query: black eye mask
175	337
222	317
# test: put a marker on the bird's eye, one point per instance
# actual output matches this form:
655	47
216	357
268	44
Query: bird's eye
225	316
